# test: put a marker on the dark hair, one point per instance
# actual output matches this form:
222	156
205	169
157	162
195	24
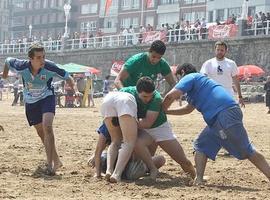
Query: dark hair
145	84
222	43
34	48
187	68
107	77
158	46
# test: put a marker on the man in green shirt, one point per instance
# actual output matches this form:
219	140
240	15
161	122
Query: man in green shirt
154	127
148	64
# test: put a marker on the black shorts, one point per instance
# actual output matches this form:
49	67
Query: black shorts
34	111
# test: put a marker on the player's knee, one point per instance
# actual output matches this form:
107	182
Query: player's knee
115	144
128	146
242	155
48	129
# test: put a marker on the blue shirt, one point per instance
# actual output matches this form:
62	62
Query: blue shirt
205	95
39	86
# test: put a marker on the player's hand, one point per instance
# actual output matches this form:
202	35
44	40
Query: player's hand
1	128
91	161
241	102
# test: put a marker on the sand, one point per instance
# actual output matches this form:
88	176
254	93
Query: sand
22	157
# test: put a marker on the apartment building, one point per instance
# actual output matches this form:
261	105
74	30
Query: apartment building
42	18
46	18
4	19
124	13
220	9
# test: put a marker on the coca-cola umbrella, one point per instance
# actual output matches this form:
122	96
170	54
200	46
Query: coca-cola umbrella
77	68
246	71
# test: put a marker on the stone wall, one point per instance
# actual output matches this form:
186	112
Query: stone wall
246	50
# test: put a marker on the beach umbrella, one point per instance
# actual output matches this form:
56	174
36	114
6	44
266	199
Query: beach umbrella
249	71
77	68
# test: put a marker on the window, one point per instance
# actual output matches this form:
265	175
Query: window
135	22
199	15
210	16
187	16
88	26
170	18
163	2
234	11
37	19
125	22
125	4
135	4
36	4
88	9
220	14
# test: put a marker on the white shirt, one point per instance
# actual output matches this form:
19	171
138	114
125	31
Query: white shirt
221	71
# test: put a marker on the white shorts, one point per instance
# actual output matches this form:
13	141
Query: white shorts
116	104
161	133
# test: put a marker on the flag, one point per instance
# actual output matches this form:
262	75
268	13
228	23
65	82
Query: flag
108	4
148	3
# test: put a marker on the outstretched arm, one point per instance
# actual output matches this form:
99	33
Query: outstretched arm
101	145
169	99
148	120
181	111
170	79
118	82
5	72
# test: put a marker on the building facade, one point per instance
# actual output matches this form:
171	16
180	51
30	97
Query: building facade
124	13
4	19
41	18
222	10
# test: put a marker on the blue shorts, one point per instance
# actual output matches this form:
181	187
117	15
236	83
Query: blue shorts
227	132
104	131
34	111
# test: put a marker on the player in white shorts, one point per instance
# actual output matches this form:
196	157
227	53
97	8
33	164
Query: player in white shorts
123	106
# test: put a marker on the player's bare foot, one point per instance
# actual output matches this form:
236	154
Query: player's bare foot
108	176
58	164
49	171
115	179
200	181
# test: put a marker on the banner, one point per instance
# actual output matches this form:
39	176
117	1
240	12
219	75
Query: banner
149	37
222	31
108	4
116	67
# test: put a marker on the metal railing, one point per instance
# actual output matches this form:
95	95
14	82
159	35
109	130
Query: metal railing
120	40
258	28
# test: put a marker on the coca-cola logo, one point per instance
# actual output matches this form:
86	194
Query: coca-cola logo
117	65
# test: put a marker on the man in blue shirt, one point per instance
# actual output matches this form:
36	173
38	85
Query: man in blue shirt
222	115
37	75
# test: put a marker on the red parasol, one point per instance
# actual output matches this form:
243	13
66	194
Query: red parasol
249	71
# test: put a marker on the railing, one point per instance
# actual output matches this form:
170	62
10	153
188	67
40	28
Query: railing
258	28
106	41
120	40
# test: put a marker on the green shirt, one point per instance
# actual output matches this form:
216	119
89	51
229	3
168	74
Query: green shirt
138	66
153	105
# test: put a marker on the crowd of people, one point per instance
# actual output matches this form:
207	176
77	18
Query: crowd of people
182	30
135	117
